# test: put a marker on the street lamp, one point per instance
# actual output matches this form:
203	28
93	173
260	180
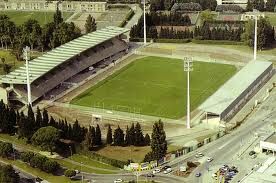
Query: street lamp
188	66
145	30
255	37
25	53
81	173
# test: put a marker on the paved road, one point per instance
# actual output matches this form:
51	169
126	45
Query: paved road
225	149
129	177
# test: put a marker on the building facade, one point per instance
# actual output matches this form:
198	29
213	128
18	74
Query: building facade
42	5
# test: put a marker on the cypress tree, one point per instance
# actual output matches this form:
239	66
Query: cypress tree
147	140
139	137
98	136
118	137
93	136
158	141
45	119
127	137
90	25
38	119
131	135
109	139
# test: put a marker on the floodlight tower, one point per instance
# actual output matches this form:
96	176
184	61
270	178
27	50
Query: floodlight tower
188	66
26	50
255	37
145	27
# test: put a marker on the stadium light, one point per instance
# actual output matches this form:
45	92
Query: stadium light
255	37
25	53
188	66
145	30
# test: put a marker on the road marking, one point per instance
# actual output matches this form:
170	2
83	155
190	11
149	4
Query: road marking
224	145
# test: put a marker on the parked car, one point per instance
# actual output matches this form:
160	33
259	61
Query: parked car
199	154
168	170
166	167
210	159
198	174
150	175
156	171
118	180
253	156
251	153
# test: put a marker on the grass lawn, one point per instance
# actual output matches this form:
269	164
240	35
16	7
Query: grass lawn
90	162
10	60
70	165
137	154
22	145
19	17
272	17
156	86
36	172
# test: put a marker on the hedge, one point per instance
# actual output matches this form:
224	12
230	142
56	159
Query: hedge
197	41
110	161
224	42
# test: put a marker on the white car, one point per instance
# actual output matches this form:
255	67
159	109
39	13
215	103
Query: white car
199	154
118	180
210	159
168	170
156	171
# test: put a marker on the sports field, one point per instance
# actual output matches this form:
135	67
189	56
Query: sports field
156	86
19	17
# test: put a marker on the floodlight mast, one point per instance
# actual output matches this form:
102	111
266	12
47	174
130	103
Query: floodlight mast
255	37
188	66
145	29
25	52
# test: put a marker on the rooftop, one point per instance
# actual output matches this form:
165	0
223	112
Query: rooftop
234	87
50	60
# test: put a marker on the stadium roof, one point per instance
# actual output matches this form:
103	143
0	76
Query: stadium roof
43	64
234	87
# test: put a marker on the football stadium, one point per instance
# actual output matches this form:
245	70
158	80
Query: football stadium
150	85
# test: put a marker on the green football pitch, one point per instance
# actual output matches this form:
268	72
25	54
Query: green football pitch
19	17
156	86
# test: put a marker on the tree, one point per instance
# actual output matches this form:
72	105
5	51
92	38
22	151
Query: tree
118	137
132	134
8	174
127	137
265	33
206	16
249	6
98	136
26	156
45	119
90	25
50	166
109	139
139	137
147	140
69	173
46	138
270	5
5	149
90	138
38	119
58	17
158	141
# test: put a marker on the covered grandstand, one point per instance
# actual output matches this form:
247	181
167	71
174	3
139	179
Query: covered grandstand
62	63
234	94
